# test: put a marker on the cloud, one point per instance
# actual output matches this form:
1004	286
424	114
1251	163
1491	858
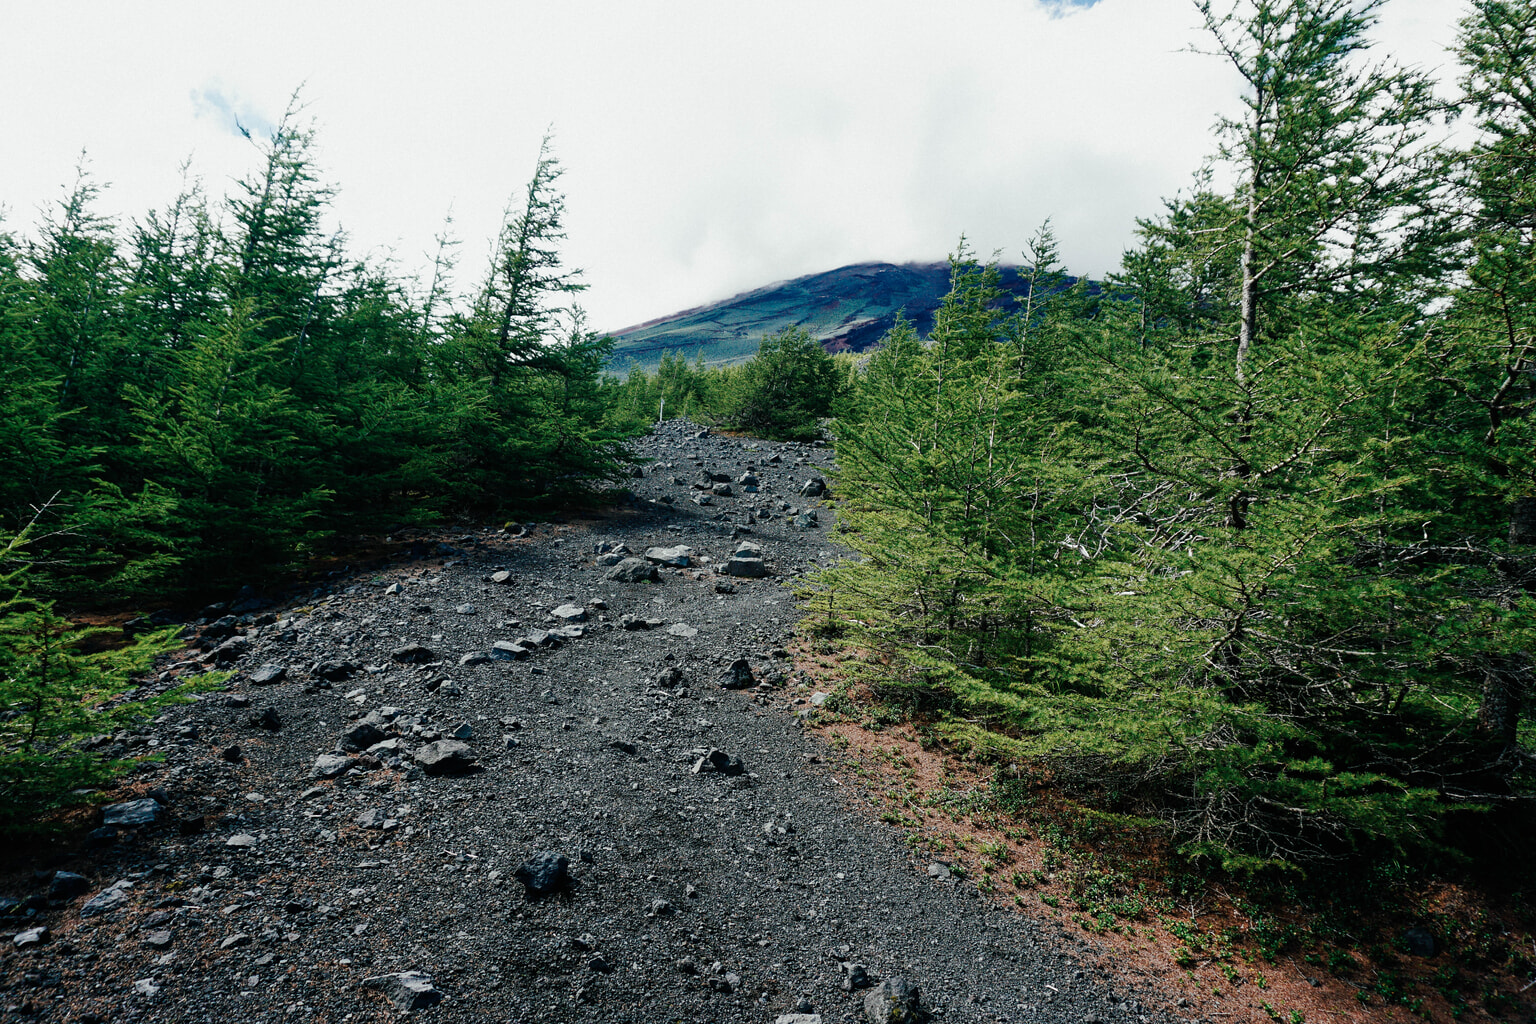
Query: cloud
231	111
1062	8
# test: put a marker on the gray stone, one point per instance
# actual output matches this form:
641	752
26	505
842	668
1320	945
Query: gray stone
414	654
337	671
31	937
241	841
473	658
895	1001
745	568
236	940
229	652
632	570
703	499
855	976
501	577
721	490
446	757
682	629
132	812
818	698
374	818
569	613
107	900
679	555
509	650
158	939
394	588
569	632
146	987
544	872
598	963
268	674
462	731
66	885
807	520
798	1018
815	487
328	766
407	990
738	676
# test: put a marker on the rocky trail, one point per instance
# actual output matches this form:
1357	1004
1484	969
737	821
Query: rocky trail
539	774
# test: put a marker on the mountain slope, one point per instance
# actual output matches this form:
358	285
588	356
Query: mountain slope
848	310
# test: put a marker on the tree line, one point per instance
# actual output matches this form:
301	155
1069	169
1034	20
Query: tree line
1247	548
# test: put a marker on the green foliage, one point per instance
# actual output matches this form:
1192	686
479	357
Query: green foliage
54	696
1248	547
786	389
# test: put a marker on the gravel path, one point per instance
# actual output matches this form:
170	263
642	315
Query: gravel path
715	869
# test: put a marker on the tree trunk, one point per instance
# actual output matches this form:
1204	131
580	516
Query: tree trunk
1522	520
1504	684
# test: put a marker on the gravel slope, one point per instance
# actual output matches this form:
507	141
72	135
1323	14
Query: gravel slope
694	895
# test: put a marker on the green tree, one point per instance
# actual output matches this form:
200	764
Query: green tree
786	389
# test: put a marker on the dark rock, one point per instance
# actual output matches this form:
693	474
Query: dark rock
509	650
625	746
414	654
337	671
229	652
738	676
66	885
597	963
190	825
268	719
632	570
721	490
855	976
231	753
569	613
719	761
544	872
158	939
895	1001
815	487
235	941
671	677
130	813
1420	942
268	674
446	757
806	520
361	736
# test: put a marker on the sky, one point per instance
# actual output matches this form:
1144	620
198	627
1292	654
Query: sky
709	147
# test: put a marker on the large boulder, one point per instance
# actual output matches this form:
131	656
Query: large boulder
815	487
738	676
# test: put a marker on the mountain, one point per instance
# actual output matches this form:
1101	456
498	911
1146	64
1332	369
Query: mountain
848	310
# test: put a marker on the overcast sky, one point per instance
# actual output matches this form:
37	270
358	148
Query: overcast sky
710	147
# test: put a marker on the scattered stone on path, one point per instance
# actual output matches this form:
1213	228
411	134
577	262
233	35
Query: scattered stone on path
158	939
66	885
131	813
446	757
243	840
108	899
501	577
738	676
268	719
361	736
807	519
798	1018
464	609
544	872
682	629
31	937
894	1001
374	818
815	487
719	761
231	753
414	654
268	674
855	976
407	990
328	766
570	613
678	555
632	570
